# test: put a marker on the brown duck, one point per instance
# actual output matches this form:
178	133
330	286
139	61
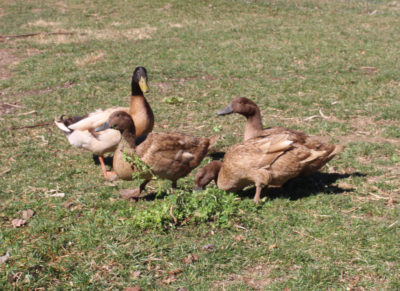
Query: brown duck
254	128
168	155
80	129
266	160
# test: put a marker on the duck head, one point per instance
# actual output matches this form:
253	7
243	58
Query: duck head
206	174
139	81
241	105
118	120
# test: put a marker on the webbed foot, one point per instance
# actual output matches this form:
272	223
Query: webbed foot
131	194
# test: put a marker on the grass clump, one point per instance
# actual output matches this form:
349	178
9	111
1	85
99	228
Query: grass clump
181	207
140	167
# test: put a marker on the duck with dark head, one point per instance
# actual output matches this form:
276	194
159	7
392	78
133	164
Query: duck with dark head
80	129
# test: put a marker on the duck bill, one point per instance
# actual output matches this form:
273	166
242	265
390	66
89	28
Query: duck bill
143	85
227	110
104	126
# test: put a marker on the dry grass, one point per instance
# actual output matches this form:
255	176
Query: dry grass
7	59
89	59
257	277
43	23
82	35
324	67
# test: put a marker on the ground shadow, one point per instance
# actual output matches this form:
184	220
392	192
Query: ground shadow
107	160
147	196
216	155
155	196
306	186
151	195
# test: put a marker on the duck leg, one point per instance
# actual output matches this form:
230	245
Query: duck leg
258	193
174	185
109	175
133	193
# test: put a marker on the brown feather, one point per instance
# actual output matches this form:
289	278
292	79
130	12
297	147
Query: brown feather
169	155
319	150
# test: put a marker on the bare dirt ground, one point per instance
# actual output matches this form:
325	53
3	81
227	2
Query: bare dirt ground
7	58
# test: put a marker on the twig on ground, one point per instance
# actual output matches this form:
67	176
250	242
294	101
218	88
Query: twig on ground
323	115
172	214
13	105
305	234
32	126
240	227
5	37
187	220
311	117
351	210
5	171
27	113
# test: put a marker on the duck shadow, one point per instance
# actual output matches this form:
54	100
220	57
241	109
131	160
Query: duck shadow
216	155
152	196
107	160
299	188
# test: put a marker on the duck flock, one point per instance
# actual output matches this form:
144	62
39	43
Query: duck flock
266	157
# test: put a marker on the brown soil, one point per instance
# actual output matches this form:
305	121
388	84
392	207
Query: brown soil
7	108
371	139
7	58
257	278
38	92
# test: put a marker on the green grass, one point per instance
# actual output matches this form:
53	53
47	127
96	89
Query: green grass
334	230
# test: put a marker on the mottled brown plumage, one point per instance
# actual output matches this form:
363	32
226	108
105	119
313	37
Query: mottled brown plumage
254	128
269	160
169	155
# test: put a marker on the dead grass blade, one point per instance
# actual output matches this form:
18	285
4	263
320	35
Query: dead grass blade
31	126
7	37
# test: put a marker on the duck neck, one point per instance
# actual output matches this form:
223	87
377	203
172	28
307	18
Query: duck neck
217	169
253	125
141	113
137	104
129	137
136	90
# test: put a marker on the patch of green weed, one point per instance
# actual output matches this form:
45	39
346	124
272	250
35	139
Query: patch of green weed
180	207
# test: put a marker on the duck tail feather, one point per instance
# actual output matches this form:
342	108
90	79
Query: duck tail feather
60	124
313	156
338	149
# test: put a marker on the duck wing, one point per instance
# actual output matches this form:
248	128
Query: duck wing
79	131
172	155
95	119
326	152
269	160
318	150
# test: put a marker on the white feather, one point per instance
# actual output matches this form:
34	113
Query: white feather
62	127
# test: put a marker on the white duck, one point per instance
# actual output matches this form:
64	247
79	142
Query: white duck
80	129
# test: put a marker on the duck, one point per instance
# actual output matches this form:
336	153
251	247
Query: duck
254	128
165	155
265	160
80	133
